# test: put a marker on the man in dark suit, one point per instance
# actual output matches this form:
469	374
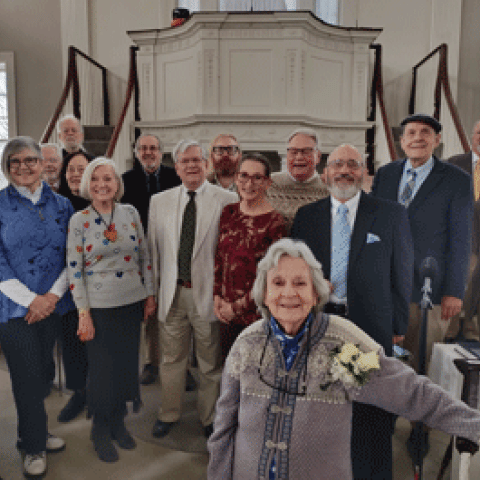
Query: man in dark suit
148	177
438	197
469	163
369	262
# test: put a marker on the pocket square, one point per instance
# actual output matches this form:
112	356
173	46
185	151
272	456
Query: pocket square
372	238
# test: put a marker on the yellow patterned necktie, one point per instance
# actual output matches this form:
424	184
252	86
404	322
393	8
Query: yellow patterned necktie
476	180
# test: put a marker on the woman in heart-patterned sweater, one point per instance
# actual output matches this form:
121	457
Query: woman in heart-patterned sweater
111	283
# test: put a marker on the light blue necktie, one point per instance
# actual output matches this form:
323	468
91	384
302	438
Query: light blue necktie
406	196
341	233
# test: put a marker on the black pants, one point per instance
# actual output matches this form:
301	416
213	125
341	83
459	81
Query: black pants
28	349
74	353
372	430
371	447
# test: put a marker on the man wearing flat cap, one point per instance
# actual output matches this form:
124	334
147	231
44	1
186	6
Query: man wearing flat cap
438	198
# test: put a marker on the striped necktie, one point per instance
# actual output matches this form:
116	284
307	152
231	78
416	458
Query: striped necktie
341	233
406	196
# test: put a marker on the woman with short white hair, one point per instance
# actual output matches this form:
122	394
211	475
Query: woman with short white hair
285	406
111	284
33	282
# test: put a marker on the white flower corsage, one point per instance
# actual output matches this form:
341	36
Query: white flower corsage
350	366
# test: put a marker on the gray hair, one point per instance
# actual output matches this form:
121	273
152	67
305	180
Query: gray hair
55	146
183	145
291	248
87	177
14	146
143	135
69	116
363	157
309	132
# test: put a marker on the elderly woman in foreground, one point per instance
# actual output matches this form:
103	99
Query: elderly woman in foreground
286	401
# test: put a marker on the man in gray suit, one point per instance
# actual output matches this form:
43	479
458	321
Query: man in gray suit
182	234
469	163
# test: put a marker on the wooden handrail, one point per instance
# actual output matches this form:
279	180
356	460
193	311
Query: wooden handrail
441	81
443	74
132	88
63	98
72	83
377	89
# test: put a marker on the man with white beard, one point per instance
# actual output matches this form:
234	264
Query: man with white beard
365	247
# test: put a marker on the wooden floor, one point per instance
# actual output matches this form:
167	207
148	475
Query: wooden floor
150	461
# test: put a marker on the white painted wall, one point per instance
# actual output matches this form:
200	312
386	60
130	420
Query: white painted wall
31	29
110	20
411	29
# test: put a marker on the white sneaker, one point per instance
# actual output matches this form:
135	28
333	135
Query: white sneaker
54	444
35	465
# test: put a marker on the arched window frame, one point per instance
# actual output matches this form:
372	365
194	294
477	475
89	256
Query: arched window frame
8	114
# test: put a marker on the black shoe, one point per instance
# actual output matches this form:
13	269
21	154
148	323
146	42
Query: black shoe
208	430
102	443
73	408
161	429
149	374
190	384
122	436
418	444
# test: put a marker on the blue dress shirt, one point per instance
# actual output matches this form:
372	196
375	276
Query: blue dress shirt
422	173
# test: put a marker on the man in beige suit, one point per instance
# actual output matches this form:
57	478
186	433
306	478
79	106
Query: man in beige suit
182	234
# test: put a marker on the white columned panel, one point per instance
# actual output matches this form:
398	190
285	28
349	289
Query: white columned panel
256	75
208	5
74	27
306	5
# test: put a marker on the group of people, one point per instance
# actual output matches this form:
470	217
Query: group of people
292	337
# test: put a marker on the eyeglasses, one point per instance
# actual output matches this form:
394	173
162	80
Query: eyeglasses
295	377
231	149
193	161
293	152
151	148
256	179
14	163
351	164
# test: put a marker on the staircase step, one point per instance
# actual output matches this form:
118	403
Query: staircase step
98	132
97	148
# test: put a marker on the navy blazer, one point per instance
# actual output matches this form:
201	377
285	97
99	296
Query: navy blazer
136	193
379	271
440	217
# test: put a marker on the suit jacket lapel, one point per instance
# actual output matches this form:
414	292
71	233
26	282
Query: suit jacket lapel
363	223
322	223
433	178
205	216
174	217
397	176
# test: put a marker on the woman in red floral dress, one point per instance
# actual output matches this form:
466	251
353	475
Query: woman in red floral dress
246	230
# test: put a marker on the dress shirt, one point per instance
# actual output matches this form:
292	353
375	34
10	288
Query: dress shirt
352	206
147	178
184	199
422	173
474	160
16	290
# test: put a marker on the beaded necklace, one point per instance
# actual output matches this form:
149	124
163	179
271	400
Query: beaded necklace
110	233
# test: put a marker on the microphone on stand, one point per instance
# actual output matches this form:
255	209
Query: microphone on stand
428	273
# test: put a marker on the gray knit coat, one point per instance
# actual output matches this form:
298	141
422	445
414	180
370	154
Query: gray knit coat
310	435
